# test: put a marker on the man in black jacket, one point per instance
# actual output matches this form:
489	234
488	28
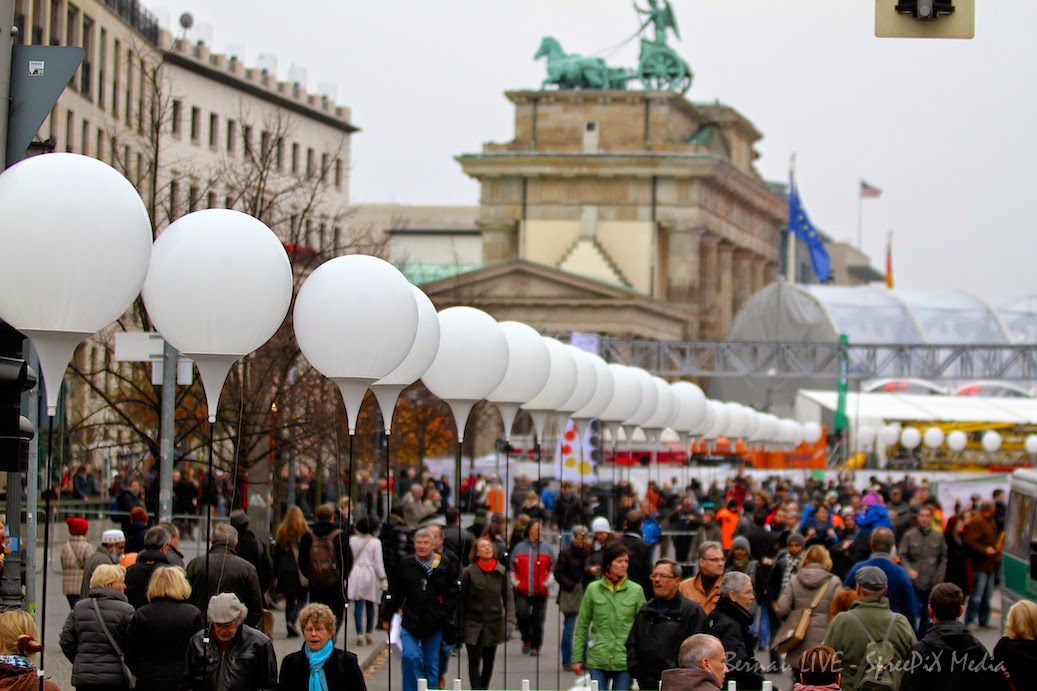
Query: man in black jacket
640	551
326	559
231	656
227	573
660	627
568	509
251	549
156	544
948	658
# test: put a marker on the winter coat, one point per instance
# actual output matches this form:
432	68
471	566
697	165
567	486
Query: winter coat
569	571
949	658
228	573
982	533
568	511
812	687
100	556
248	664
256	553
873	516
19	678
959	568
427	601
799	595
901	593
486	603
367	578
845	634
730	623
286	570
531	567
94	661
926	553
656	636
691	588
159	635
341	670
606	616
640	570
693	679
139	575
74	555
458	543
134	532
329	595
1019	658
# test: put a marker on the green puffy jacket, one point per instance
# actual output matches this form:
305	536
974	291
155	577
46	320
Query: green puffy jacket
606	615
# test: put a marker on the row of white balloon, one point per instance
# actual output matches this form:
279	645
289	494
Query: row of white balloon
217	284
933	438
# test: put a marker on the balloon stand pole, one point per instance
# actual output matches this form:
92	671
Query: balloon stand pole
49	489
460	549
348	530
536	568
506	493
209	487
388	510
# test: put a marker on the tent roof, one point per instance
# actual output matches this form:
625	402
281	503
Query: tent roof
929	408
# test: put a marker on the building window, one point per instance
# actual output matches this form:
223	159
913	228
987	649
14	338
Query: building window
214	125
126	160
227	203
174	200
309	162
192	198
87	70
232	135
70	129
71	21
210	200
117	55
85	145
246	137
129	86
264	146
37	22
100	144
140	97
338	173
295	158
55	22
102	61
324	169
196	124
174	117
279	159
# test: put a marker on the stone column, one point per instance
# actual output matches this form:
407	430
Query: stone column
499	240
709	291
759	274
683	263
725	297
742	278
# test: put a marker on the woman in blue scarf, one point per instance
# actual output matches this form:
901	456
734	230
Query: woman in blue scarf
320	666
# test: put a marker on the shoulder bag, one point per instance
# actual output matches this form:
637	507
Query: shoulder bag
127	673
794	631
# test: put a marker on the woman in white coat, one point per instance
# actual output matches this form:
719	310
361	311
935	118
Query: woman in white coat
367	579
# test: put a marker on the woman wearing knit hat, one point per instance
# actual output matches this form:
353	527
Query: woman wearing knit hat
73	558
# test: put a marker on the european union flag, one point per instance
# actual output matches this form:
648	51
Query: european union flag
799	223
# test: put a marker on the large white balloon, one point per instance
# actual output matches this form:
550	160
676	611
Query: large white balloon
957	440
529	364
76	244
933	438
219	287
754	424
721	420
889	435
866	436
1030	443
738	420
649	402
422	352
583	392
603	392
910	438
626	398
812	432
355	321
559	387
471	361
667	403
690	409
991	441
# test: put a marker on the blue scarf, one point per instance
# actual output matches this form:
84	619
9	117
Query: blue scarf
318	682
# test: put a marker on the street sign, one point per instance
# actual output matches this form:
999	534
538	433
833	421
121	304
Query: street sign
38	76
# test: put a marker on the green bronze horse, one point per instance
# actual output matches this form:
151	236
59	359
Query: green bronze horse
576	71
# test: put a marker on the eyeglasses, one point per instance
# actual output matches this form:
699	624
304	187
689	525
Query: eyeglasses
662	575
713	559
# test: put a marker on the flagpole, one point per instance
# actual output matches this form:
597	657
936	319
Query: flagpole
860	216
790	237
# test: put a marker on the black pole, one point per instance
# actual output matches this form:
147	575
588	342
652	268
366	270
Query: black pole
46	541
208	529
460	552
507	534
536	564
388	510
344	583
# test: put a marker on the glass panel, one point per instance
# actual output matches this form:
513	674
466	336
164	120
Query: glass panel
1017	524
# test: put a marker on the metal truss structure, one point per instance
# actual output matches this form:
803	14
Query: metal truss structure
1012	363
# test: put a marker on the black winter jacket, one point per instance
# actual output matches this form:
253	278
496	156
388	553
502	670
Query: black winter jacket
138	576
94	661
228	573
342	671
658	631
427	601
640	570
730	623
949	658
159	635
1019	659
332	596
248	664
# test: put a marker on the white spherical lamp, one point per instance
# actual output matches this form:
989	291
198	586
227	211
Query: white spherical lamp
604	389
1030	443
910	438
866	436
529	364
561	383
626	398
991	441
77	242
933	438
811	432
889	435
957	440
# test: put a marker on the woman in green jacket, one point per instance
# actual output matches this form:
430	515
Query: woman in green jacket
606	616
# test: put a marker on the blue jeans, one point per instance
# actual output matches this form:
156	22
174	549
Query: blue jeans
924	624
420	659
359	607
568	628
620	679
979	600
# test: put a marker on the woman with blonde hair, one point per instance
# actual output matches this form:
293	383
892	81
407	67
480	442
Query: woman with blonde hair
320	665
815	587
162	629
288	579
18	634
97	633
1016	652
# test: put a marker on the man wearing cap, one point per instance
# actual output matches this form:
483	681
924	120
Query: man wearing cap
870	615
227	573
901	592
230	656
704	588
113	544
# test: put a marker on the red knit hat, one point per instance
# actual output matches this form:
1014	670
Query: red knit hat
77	525
139	514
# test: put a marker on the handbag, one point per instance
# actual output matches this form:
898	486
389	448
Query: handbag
794	630
127	673
569	600
396	636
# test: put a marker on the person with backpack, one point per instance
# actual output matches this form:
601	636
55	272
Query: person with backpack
326	558
875	641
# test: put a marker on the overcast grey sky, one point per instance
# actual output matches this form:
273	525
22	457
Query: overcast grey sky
946	128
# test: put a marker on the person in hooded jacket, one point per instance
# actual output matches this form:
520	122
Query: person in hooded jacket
95	663
815	573
152	557
161	630
948	657
730	622
18	645
1016	653
820	670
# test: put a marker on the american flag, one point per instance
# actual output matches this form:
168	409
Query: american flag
869	191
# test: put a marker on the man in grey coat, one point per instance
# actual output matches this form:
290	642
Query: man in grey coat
113	544
923	554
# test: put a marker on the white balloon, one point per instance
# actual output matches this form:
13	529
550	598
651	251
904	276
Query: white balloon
559	387
736	422
811	432
889	435
649	400
355	321
626	397
419	358
603	391
991	441
754	424
690	409
721	420
77	242
471	361
664	408
957	440
1031	444
586	381
866	436
529	364
707	421
910	438
933	438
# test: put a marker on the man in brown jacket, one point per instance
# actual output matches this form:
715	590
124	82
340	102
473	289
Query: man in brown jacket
982	540
704	588
701	665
